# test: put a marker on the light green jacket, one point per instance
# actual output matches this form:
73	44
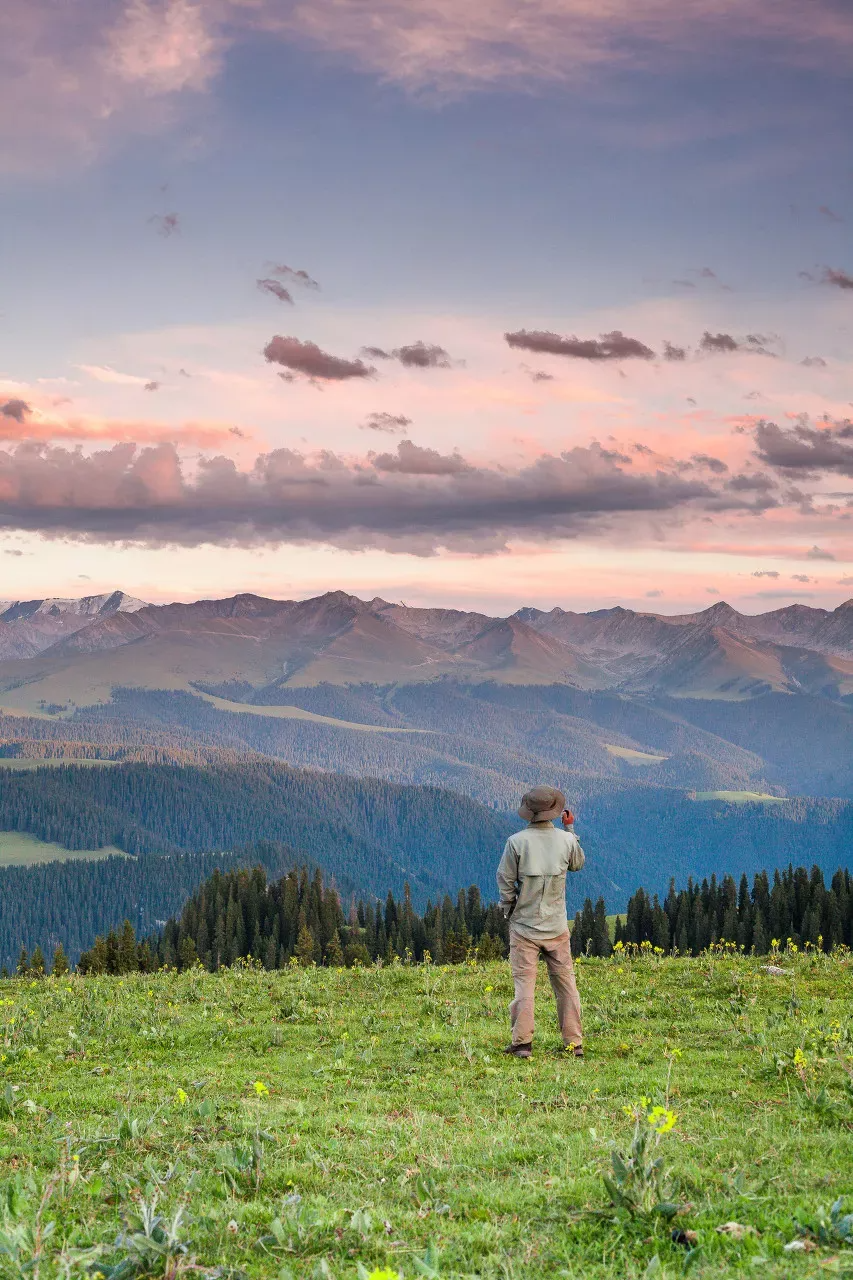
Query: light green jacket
532	879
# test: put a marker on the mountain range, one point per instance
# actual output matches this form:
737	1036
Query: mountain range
687	744
248	649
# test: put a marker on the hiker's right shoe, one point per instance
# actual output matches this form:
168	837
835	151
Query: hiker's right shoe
519	1050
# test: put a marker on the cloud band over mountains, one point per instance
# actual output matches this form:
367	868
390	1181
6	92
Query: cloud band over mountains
414	499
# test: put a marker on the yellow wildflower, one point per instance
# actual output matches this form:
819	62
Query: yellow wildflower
260	1088
662	1119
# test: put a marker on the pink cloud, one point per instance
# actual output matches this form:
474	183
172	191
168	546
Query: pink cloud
22	420
75	76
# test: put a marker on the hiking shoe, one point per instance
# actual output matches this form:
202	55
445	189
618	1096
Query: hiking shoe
576	1050
519	1050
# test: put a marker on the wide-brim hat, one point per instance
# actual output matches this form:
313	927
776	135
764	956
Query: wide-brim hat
541	804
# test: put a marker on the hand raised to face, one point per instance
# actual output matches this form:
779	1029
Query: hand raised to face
567	818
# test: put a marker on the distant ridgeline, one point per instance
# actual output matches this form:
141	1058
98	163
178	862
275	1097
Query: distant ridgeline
237	915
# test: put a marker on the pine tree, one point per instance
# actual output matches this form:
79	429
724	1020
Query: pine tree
334	951
126	950
37	963
601	945
23	963
305	947
60	966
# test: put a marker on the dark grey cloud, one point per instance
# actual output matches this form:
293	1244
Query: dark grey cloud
805	448
388	422
293	275
751	482
718	342
152	386
18	410
818	553
275	288
417	355
415	500
411	460
814	362
725	343
841	279
713	464
423	355
653	593
13	553
539	375
167	224
801	577
309	359
671	352
609	346
766	573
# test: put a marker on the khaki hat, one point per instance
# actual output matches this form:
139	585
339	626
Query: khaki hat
542	804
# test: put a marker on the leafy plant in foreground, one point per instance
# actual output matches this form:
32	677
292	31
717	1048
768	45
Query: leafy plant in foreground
831	1228
150	1245
640	1182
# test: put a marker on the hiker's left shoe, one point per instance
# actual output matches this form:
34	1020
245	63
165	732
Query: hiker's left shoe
519	1050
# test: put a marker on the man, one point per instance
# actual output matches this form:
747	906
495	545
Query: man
532	884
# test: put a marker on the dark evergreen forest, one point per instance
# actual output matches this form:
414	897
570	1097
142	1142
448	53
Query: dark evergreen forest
238	915
792	906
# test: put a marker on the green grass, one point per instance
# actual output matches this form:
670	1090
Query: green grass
51	762
739	797
385	1121
17	849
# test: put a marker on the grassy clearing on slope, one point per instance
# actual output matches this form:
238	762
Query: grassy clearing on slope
631	756
738	797
17	849
297	713
301	1123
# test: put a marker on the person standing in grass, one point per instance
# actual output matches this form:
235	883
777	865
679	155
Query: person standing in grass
532	884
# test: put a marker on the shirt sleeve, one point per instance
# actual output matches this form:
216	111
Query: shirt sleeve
575	852
508	878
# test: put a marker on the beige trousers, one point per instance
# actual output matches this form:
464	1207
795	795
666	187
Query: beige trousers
523	960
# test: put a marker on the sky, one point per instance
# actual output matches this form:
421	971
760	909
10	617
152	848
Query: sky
480	305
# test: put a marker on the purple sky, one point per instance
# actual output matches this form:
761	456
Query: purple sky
467	304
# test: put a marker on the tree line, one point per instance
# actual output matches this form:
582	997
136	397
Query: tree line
794	904
239	915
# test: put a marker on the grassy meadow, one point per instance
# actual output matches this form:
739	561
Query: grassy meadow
364	1122
18	849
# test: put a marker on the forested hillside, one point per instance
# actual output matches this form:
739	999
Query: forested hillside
71	902
367	834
